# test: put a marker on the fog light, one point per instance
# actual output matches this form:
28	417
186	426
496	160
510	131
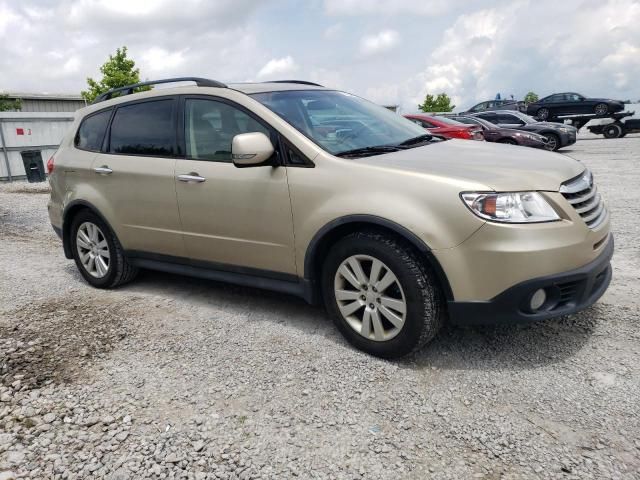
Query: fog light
538	299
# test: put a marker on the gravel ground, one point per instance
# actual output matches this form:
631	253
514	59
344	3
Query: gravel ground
171	377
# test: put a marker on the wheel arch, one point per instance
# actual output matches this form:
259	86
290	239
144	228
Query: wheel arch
338	228
69	213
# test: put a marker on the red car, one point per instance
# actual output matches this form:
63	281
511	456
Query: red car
446	127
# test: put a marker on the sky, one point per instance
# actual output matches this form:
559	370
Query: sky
389	51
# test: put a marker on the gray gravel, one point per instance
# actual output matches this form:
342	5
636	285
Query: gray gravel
171	377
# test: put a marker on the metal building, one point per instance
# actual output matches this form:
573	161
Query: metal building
30	136
45	102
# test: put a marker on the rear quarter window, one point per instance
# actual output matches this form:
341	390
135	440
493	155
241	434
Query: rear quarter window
90	135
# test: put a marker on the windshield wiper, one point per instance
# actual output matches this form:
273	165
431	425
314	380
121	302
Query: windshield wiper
369	150
419	139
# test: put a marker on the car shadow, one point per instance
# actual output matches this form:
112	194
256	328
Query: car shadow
507	347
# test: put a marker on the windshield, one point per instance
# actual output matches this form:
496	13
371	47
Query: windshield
340	122
525	118
478	121
448	121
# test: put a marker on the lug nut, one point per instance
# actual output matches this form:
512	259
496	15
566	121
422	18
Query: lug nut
374	289
364	287
362	297
372	306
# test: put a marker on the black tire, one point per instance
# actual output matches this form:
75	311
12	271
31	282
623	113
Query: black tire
119	271
612	131
601	109
553	141
508	141
425	311
542	114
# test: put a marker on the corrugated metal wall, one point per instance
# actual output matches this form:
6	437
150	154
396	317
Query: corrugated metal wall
41	105
29	131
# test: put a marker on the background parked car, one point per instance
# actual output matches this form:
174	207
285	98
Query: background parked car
558	135
447	127
572	104
494	133
492	105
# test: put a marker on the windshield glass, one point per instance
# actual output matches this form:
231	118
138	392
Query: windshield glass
447	120
340	122
478	121
525	118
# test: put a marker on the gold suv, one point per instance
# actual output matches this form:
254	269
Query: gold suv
314	192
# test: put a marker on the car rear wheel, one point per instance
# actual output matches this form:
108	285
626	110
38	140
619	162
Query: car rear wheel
553	141
381	296
601	109
542	114
97	252
612	131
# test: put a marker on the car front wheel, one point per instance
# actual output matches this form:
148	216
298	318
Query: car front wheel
553	142
381	296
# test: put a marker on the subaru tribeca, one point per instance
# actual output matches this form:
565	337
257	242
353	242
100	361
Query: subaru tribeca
314	192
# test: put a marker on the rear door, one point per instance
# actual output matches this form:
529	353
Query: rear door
234	219
134	177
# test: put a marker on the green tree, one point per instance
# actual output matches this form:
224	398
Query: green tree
531	97
118	71
439	103
7	104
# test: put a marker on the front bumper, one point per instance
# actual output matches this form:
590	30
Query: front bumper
567	138
567	293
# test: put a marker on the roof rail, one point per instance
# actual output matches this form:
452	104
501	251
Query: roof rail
129	89
301	82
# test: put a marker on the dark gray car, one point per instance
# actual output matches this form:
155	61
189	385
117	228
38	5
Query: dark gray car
558	135
492	105
494	133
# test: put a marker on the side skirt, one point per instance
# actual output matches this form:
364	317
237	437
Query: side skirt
248	277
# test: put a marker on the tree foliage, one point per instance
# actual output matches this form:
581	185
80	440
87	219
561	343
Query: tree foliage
531	97
118	71
6	104
438	103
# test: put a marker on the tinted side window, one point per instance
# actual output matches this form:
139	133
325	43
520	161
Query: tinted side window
209	128
509	119
144	129
91	132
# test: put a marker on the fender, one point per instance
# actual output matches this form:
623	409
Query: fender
310	276
66	224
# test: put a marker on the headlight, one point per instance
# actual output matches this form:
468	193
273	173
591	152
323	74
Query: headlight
514	207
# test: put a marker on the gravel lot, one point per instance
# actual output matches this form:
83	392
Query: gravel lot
171	377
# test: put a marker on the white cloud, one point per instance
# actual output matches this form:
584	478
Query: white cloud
161	60
388	7
382	42
334	31
582	46
278	66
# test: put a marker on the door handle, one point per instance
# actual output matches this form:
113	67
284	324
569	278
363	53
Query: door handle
103	170
191	177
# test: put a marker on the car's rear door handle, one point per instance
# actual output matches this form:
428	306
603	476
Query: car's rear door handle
191	177
103	170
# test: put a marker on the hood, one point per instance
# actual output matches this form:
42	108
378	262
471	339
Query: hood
538	126
514	131
494	166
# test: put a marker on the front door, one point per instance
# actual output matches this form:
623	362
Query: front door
231	217
134	177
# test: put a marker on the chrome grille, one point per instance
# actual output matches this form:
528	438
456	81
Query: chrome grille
583	195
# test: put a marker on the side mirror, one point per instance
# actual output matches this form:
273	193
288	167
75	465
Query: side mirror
251	149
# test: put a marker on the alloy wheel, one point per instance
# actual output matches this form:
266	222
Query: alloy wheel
552	143
93	249
370	297
543	113
601	109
